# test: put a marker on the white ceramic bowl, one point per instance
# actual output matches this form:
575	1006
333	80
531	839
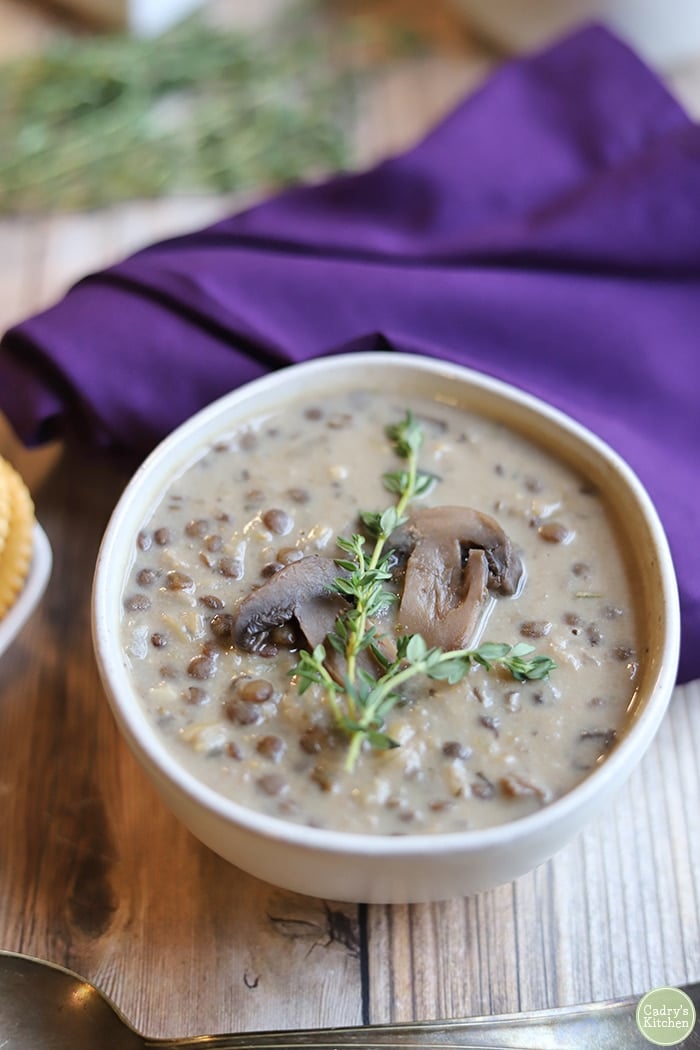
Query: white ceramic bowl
371	868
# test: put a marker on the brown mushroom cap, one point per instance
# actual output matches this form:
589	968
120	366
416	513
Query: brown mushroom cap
284	597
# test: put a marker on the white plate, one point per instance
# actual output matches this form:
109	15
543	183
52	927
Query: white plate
32	591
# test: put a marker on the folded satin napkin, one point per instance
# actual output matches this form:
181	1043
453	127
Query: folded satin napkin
547	232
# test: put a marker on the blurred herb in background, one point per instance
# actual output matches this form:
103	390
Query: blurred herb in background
94	121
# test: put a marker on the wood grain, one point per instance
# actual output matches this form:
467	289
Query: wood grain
96	874
615	913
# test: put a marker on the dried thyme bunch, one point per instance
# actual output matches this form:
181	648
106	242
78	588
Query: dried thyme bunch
98	120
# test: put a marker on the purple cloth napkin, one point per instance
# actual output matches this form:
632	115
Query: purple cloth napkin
547	232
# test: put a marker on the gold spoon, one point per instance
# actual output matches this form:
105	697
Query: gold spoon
46	1007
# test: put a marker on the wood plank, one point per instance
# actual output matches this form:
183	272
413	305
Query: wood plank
97	875
614	913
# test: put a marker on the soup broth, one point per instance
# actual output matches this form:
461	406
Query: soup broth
285	486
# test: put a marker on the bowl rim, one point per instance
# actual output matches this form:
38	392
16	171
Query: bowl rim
132	717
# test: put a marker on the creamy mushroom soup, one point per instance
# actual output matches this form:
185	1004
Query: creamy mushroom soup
233	575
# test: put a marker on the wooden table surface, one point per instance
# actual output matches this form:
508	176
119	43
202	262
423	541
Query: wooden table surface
94	872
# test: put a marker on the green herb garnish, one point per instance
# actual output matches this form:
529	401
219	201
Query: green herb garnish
362	702
202	108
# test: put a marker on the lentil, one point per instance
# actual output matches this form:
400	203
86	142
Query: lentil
179	581
212	601
243	713
535	628
137	603
146	577
256	690
555	532
221	625
278	521
272	747
201	667
231	568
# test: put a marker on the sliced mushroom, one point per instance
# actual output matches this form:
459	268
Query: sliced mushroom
446	609
456	555
472	530
290	594
303	592
316	616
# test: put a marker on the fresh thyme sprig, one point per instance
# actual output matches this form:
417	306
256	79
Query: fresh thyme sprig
364	588
361	704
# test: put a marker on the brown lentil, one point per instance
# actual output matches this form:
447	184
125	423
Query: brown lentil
179	581
535	628
137	603
231	568
297	495
212	601
201	667
197	528
271	569
243	713
594	634
555	532
454	749
278	521
196	695
272	747
256	690
221	625
322	778
272	784
284	637
287	555
146	577
439	805
144	541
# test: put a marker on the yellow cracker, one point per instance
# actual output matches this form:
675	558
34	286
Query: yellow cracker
4	502
16	555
